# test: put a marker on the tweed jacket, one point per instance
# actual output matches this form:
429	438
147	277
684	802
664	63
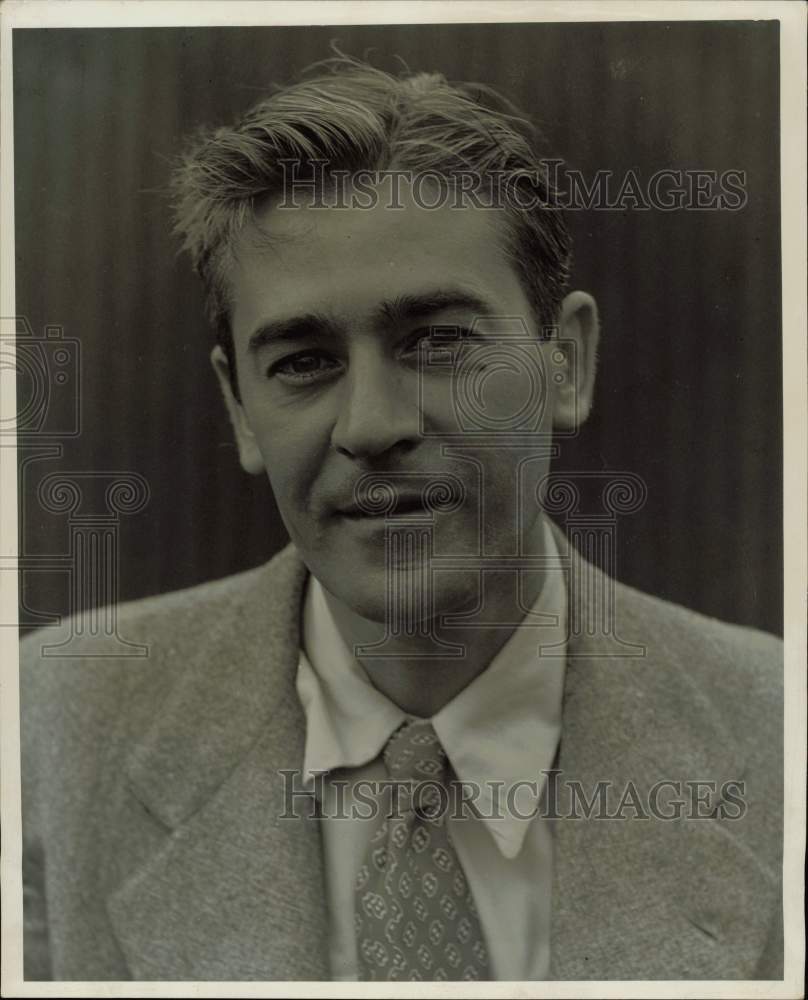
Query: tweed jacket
154	847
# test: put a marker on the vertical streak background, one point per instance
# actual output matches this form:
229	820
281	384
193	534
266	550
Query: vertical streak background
689	392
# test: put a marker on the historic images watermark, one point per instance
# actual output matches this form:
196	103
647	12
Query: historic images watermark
47	368
552	185
550	796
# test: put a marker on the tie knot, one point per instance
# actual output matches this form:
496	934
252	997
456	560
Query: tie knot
414	753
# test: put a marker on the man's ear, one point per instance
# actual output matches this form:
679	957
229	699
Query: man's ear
248	453
574	360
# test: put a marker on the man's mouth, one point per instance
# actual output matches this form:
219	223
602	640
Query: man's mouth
419	496
400	506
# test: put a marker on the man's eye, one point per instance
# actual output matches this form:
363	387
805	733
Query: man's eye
303	367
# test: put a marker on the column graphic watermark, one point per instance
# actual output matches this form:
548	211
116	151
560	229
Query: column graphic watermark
48	373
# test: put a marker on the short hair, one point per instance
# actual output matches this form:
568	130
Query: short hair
352	117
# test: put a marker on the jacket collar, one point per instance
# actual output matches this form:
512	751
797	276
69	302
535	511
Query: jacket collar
637	898
235	891
237	680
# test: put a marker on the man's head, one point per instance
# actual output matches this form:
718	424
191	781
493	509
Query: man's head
327	316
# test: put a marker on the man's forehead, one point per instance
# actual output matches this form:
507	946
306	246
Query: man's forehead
311	222
354	258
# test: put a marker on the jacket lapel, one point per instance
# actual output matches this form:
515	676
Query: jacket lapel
236	890
635	898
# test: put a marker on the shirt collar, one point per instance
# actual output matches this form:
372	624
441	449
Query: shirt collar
348	721
503	728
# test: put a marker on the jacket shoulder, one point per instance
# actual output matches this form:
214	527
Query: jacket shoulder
685	634
94	678
735	672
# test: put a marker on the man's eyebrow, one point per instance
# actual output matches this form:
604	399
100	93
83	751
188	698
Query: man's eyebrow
409	307
294	328
398	310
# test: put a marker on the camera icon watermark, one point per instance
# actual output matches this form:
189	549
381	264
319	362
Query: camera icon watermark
498	375
48	381
42	373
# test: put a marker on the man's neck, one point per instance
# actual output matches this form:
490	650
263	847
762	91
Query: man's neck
413	672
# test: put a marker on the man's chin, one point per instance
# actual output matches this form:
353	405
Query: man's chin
407	598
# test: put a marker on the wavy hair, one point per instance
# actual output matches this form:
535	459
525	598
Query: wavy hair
355	117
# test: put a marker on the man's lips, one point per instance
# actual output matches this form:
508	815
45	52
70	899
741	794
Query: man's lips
376	496
404	504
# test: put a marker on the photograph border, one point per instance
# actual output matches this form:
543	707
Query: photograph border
16	14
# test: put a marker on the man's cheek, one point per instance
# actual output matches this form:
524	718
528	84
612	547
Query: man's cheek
291	496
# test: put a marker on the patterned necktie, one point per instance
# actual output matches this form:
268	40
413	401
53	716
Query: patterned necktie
414	913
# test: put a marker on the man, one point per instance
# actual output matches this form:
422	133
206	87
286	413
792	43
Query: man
266	796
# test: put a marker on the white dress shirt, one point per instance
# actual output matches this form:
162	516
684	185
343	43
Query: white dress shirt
503	727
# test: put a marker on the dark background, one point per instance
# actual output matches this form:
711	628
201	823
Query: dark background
689	393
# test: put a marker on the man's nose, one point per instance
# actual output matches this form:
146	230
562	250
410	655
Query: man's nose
378	410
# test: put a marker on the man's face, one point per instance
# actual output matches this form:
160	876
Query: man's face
332	324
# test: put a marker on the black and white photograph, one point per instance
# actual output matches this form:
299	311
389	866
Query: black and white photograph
403	445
